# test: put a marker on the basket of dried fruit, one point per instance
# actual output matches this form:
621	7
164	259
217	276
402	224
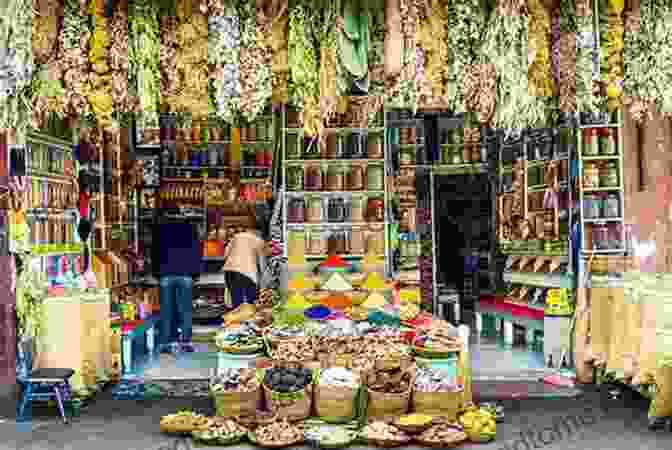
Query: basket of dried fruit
414	423
183	423
220	431
444	435
280	434
381	434
236	392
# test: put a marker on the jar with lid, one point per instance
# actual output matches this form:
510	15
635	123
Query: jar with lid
590	207
296	210
376	209
600	236
295	178
591	146
355	178
591	177
336	210
292	147
357	208
313	178
611	207
357	148
334	146
375	176
607	141
609	174
357	240
336	178
314	210
456	155
374	147
407	156
315	243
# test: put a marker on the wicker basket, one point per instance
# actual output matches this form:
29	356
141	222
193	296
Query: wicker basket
335	403
443	404
297	409
385	406
235	404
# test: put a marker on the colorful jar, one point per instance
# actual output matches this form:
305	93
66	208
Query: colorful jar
375	177
607	141
295	178
376	210
336	178
609	174
313	178
591	146
591	176
611	207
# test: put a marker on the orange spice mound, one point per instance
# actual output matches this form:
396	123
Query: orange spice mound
337	301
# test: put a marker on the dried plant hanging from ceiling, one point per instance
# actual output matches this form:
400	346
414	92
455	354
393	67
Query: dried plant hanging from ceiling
648	59
144	59
401	64
612	28
16	64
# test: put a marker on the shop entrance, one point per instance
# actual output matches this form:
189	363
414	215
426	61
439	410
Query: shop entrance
469	274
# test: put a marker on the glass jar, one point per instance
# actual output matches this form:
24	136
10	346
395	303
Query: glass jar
591	176
316	243
292	147
357	148
296	210
609	174
336	210
375	176
314	210
406	156
591	146
336	178
611	207
357	209
357	241
375	210
295	178
334	147
456	155
600	237
591	209
374	147
356	178
313	178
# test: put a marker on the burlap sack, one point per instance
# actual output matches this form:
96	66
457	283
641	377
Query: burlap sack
661	406
600	323
335	403
632	317
384	406
296	406
648	361
235	404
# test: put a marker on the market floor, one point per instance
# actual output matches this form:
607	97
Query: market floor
591	421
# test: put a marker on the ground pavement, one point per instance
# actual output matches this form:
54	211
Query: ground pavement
591	421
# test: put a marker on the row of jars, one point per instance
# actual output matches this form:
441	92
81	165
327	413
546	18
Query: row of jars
336	209
601	206
354	241
599	141
336	177
597	175
335	146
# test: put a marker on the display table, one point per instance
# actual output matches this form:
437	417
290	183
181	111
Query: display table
77	335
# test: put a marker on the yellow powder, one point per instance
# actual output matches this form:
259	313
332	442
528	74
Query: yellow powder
298	301
374	281
297	259
298	283
375	300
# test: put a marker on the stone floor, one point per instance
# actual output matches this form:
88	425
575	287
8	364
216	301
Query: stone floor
591	421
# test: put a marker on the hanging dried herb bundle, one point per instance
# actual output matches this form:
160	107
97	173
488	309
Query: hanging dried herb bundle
466	20
401	89
433	45
144	60
224	39
506	47
539	71
586	59
75	64
255	63
328	66
648	59
304	71
118	60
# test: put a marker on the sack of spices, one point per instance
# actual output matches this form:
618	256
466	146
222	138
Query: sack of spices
336	394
